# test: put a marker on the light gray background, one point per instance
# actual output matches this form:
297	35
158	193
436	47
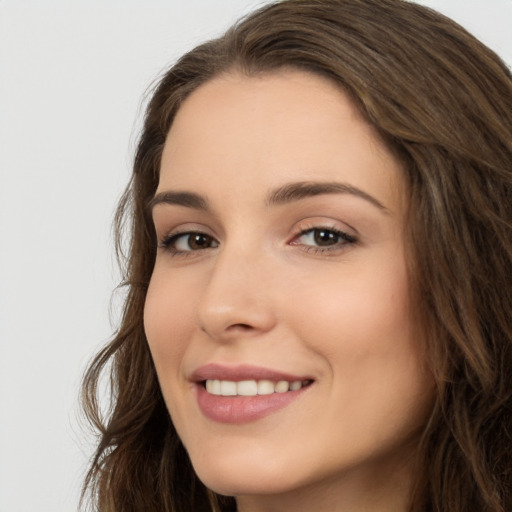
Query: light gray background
72	78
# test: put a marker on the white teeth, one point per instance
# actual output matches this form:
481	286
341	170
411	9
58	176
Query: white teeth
252	387
227	388
265	387
213	387
247	388
282	386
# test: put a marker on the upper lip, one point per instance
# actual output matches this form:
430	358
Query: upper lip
215	371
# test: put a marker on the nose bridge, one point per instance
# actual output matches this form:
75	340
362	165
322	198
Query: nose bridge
236	296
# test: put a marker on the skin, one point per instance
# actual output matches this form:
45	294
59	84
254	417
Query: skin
263	292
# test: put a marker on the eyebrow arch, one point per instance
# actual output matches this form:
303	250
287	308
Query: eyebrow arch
301	190
282	195
188	199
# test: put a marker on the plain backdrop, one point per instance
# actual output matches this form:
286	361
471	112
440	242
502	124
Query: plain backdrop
73	74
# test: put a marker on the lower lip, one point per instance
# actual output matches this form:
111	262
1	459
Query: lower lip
243	409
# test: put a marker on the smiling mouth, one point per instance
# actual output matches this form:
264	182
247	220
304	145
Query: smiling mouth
245	393
252	387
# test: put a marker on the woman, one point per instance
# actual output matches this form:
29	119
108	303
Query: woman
319	274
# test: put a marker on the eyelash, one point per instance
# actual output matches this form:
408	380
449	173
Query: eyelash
344	240
168	242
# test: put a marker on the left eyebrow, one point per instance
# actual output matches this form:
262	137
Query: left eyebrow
180	198
301	190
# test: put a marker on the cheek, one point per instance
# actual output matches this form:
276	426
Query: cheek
357	312
361	326
168	320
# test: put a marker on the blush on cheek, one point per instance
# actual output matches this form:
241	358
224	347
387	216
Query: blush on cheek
162	318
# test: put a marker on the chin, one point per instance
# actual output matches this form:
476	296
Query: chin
247	476
247	485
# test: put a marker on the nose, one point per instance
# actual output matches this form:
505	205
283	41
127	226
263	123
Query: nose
236	300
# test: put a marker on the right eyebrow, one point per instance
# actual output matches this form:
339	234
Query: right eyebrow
296	191
188	199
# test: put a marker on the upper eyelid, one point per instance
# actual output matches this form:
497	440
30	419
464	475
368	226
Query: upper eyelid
306	225
184	228
299	227
347	237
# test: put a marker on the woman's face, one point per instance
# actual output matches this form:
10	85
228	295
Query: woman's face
280	222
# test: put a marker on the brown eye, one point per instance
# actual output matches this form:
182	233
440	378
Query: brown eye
323	237
323	240
188	242
198	241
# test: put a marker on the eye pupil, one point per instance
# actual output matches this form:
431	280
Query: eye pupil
199	241
325	237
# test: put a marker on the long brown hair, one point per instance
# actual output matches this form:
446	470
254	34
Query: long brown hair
443	102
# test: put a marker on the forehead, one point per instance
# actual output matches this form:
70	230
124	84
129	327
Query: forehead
271	129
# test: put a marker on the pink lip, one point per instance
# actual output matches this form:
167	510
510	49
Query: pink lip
242	409
241	372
